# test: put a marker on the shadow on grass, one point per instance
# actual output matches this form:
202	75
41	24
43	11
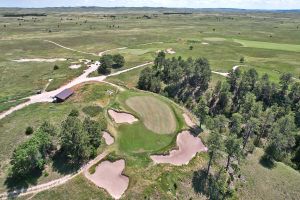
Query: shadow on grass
62	165
266	162
199	182
14	183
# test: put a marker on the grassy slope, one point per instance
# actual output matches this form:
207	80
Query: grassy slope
280	182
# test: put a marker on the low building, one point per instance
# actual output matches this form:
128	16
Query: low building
63	95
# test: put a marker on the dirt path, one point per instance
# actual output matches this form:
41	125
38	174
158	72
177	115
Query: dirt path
226	74
103	52
48	96
70	48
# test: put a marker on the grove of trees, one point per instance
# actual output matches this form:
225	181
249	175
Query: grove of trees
245	111
107	62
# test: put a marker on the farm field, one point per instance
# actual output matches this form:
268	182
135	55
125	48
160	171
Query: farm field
44	53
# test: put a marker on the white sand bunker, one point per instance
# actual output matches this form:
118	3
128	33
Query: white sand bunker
122	117
74	66
108	175
205	43
188	120
169	51
108	138
40	60
188	147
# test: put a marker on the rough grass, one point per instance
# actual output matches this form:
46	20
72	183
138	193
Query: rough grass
157	116
265	182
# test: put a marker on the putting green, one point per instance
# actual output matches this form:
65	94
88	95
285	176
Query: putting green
156	115
269	45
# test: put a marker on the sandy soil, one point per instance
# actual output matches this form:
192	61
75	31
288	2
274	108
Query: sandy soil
108	175
205	43
74	66
40	60
188	147
188	120
122	117
170	51
108	138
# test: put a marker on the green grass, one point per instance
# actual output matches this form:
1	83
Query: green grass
269	45
77	188
261	182
157	116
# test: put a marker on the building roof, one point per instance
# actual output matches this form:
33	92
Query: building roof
63	95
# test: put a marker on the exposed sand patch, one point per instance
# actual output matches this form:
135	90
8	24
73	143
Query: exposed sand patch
108	175
169	51
75	66
188	147
108	138
122	117
188	120
39	60
205	43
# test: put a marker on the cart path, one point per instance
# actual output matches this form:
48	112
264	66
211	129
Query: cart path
83	78
226	74
54	183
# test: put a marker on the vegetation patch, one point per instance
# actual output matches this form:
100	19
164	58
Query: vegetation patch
92	111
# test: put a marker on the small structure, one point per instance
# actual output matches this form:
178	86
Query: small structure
63	95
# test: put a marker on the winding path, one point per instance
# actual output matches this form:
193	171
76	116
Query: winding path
225	74
48	96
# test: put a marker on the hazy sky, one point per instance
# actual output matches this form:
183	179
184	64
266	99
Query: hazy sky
250	4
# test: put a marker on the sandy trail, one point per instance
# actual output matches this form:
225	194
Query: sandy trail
122	117
51	184
106	51
70	48
108	175
188	121
109	140
188	147
39	60
48	96
226	74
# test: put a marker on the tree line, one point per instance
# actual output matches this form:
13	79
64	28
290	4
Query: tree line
76	140
241	113
110	61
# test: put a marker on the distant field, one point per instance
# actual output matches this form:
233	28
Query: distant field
269	45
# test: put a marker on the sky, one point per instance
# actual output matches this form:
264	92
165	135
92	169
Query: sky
246	4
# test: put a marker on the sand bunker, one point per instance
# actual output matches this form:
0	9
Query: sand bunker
74	66
108	175
122	117
108	138
188	120
170	51
205	43
188	147
40	60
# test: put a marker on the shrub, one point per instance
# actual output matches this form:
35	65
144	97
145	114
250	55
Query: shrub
55	67
29	130
74	113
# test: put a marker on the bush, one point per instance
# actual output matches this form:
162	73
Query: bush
191	47
74	113
29	130
55	67
92	111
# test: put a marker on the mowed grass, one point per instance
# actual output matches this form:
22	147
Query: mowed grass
279	182
157	116
269	45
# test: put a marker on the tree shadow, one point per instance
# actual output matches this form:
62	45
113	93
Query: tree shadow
195	130
16	182
266	162
199	182
62	165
